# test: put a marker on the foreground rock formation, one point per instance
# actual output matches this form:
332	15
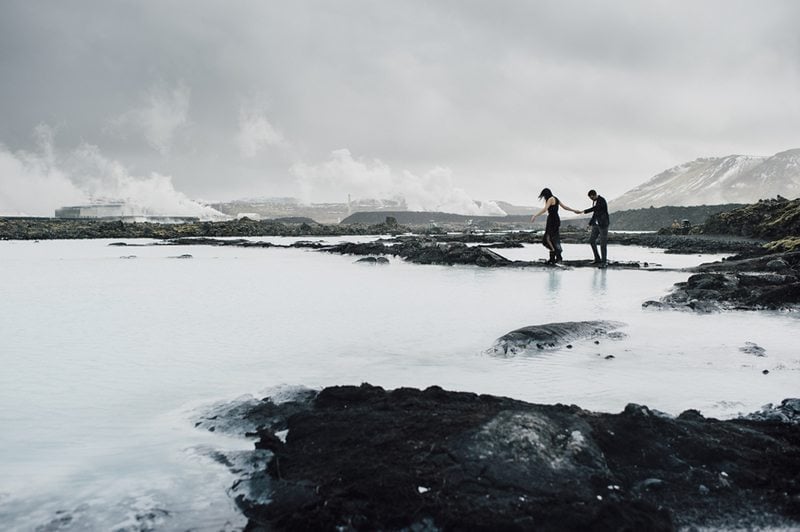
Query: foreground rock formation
363	458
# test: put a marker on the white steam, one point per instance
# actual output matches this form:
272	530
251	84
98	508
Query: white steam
36	184
163	113
256	132
31	186
435	190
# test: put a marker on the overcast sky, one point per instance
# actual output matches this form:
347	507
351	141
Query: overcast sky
435	100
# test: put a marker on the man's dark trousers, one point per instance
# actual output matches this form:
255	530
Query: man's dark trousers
600	231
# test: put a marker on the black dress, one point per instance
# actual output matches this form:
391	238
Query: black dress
552	239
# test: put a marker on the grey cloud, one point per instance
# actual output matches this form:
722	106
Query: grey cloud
504	94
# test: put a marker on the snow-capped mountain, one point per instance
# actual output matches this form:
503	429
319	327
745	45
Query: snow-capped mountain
718	180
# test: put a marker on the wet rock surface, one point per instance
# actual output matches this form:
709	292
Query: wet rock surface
422	251
764	281
477	250
552	335
363	458
767	277
786	412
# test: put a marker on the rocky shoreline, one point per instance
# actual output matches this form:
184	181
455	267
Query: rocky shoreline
364	458
475	249
760	277
758	281
69	229
86	228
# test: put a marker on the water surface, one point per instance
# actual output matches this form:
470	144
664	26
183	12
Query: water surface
107	361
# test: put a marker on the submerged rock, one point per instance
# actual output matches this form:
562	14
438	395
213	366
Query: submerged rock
374	260
363	458
752	348
552	335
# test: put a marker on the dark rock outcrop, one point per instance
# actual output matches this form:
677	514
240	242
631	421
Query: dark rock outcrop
425	251
770	281
763	278
363	458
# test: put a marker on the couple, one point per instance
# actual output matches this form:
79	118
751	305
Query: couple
599	224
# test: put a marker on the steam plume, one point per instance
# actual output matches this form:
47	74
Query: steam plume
256	132
163	113
37	183
342	174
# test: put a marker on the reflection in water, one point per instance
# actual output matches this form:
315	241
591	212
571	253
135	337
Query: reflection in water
553	284
599	282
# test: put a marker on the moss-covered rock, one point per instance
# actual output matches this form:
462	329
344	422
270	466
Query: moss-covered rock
791	243
770	219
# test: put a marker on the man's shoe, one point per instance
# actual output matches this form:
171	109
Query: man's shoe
603	265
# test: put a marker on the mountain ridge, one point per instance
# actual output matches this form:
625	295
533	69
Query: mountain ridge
718	180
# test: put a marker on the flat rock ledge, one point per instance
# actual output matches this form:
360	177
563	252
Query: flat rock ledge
364	458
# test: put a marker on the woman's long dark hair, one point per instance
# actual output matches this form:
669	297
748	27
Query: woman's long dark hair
546	194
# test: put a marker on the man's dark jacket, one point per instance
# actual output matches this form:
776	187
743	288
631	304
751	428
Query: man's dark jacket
599	212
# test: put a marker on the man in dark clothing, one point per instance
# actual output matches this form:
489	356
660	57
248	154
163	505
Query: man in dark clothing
599	224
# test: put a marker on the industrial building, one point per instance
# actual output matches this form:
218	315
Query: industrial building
116	212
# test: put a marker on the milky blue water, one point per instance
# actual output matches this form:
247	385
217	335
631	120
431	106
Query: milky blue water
106	362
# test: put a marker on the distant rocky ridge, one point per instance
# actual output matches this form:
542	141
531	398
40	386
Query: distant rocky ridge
53	228
21	228
718	180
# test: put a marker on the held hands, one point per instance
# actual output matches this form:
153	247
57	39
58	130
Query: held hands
533	218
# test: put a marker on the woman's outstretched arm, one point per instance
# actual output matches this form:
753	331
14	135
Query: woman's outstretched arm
567	207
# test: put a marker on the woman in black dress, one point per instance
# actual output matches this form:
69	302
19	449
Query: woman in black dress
551	238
